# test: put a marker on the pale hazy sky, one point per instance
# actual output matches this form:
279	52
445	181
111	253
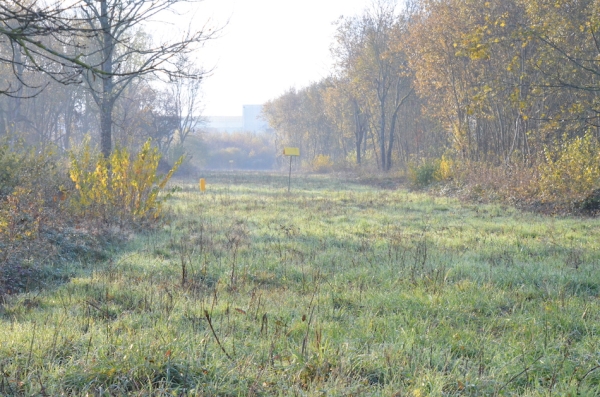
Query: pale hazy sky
267	47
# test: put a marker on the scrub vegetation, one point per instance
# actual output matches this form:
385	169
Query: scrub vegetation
337	288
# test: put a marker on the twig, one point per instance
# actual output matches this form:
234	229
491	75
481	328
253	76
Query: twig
584	376
311	308
519	374
215	334
31	347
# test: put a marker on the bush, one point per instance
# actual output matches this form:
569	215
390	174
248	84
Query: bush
41	207
445	169
571	170
21	215
321	164
421	175
122	188
424	172
30	209
9	174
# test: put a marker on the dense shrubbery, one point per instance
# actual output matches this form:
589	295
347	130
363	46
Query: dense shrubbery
566	179
30	208
50	210
122	188
571	170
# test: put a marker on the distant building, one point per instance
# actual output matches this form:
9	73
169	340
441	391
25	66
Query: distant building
224	124
253	119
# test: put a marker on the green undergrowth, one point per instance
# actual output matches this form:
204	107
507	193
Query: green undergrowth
333	289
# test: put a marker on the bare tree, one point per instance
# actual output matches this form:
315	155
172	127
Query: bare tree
44	37
186	95
100	42
126	55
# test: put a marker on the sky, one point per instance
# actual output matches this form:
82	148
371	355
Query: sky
266	48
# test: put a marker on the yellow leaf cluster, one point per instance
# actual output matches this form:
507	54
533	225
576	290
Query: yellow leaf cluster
571	169
322	164
122	187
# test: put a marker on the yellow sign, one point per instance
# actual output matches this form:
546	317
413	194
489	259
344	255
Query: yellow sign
291	151
202	184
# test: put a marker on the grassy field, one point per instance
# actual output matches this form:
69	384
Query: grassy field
336	289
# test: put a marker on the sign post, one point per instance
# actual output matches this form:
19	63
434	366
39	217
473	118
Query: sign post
291	152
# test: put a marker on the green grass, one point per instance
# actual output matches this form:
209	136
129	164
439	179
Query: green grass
335	289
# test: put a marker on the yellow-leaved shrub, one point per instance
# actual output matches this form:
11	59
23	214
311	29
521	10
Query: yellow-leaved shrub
571	169
445	169
423	172
321	164
122	188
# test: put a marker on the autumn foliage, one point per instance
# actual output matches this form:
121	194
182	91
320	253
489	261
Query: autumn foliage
53	209
122	188
505	90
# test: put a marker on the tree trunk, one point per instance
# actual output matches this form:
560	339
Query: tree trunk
106	128
382	138
359	132
398	104
106	106
391	142
15	116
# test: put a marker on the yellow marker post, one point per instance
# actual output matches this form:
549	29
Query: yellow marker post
291	152
202	184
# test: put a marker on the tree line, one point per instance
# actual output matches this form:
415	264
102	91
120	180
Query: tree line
500	82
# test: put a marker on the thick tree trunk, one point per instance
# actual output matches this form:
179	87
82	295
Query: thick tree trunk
106	106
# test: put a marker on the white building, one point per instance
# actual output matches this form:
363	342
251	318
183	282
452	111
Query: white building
251	121
224	124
